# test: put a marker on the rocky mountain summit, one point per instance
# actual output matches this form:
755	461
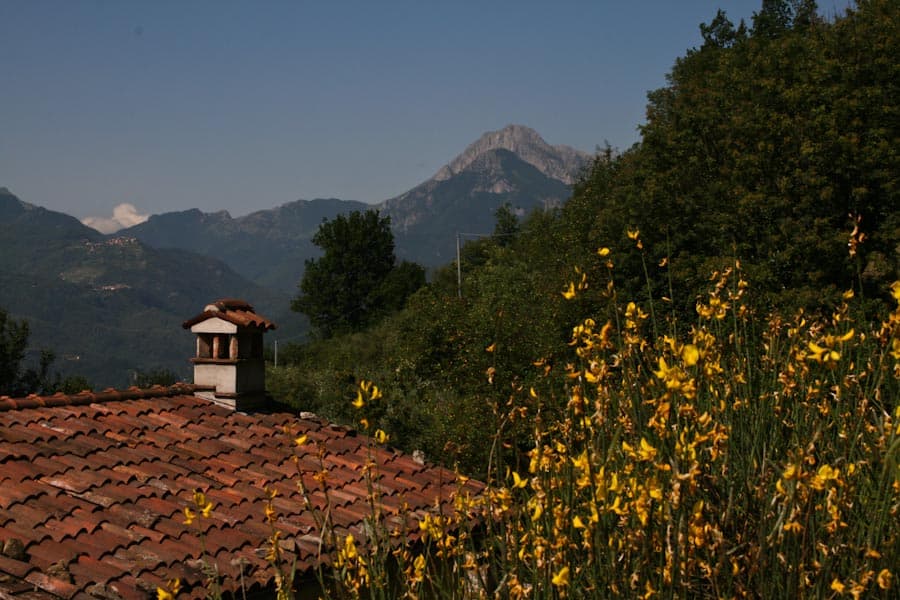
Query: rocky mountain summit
513	166
560	162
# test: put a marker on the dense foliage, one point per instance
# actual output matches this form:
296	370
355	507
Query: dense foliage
774	146
770	146
755	459
16	377
357	280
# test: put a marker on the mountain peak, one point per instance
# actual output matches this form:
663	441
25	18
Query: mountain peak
562	163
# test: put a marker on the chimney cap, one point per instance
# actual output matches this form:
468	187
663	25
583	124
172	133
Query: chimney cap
233	310
229	304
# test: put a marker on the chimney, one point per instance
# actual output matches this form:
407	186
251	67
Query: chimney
229	357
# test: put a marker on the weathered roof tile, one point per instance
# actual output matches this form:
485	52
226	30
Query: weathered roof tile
100	481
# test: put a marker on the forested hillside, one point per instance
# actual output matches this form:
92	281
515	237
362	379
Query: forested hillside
108	308
772	151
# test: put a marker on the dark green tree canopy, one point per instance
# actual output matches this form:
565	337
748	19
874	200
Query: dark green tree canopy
18	380
356	280
506	225
768	147
13	342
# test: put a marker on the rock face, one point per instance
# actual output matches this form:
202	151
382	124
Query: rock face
562	163
426	219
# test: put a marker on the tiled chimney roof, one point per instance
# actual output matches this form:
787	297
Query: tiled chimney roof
93	486
238	312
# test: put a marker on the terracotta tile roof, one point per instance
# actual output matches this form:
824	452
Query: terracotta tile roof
93	486
235	311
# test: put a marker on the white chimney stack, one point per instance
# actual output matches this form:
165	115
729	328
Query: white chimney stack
229	357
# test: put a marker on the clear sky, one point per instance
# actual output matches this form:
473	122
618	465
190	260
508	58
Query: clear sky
241	106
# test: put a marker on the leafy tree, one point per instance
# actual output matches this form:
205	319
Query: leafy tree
73	384
15	379
356	280
766	147
13	342
159	376
506	226
720	32
399	284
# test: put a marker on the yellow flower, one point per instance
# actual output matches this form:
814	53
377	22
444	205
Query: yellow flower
381	437
793	526
491	348
690	354
359	402
824	475
884	579
569	293
189	516
837	586
350	547
561	578
518	482
299	441
823	355
419	569
633	233
647	452
577	523
537	509
206	510
199	499
791	472
170	591
603	251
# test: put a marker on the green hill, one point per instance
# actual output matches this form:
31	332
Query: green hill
109	307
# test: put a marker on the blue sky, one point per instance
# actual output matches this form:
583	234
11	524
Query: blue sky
247	105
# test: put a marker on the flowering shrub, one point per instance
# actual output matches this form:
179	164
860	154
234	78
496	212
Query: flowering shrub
735	457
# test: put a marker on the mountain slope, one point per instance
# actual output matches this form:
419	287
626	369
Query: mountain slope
110	306
269	247
427	218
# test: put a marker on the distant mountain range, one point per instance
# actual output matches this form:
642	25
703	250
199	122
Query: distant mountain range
513	165
268	247
110	305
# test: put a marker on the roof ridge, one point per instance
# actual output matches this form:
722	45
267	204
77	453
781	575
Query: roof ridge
88	397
